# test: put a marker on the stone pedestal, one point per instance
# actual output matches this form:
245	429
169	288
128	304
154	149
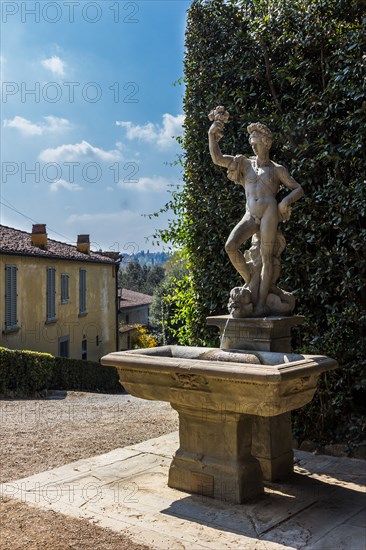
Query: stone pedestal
262	334
223	468
272	446
271	436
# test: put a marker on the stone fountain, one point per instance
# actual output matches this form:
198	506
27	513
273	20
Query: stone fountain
220	395
234	402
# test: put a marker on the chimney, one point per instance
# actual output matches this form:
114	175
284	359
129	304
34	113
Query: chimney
39	235
83	244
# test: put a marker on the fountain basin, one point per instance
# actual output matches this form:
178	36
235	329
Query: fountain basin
259	383
218	394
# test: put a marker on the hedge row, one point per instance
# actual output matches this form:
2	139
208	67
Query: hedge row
76	374
24	372
30	373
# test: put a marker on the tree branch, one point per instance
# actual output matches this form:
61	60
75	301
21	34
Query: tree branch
270	81
322	65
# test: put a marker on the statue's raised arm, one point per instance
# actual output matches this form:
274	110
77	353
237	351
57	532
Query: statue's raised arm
219	118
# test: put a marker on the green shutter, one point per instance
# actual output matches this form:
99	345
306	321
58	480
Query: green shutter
51	294
82	291
10	296
64	288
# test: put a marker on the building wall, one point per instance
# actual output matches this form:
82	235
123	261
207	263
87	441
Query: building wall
97	326
136	315
125	340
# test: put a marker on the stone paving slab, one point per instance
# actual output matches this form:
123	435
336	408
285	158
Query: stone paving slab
322	507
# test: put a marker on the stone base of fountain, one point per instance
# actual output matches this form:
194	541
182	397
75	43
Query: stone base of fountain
250	333
222	398
272	446
274	454
214	458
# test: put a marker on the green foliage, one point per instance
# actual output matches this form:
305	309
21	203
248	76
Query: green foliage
24	373
80	375
161	314
141	278
298	67
173	304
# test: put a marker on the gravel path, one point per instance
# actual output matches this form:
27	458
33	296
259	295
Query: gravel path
42	434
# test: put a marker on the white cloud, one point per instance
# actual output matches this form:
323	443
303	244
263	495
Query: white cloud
55	65
156	183
52	124
63	184
25	126
73	152
163	135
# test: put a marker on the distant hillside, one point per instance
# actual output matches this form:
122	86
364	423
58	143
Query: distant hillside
145	258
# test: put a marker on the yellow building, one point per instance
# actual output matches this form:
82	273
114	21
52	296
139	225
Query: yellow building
55	297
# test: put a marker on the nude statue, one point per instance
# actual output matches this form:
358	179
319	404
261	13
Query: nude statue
261	179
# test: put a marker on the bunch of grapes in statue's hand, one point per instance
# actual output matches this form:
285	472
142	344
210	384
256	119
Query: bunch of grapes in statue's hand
219	117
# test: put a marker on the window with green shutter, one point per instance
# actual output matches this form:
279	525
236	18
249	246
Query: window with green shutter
82	291
11	321
64	288
51	294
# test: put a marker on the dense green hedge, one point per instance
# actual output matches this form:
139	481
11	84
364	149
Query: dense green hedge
24	373
299	67
77	374
31	373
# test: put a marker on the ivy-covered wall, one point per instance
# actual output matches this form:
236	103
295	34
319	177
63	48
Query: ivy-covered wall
299	67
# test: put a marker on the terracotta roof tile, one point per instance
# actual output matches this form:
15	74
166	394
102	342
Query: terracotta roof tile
17	242
130	298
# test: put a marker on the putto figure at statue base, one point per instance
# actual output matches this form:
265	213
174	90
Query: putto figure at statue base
243	298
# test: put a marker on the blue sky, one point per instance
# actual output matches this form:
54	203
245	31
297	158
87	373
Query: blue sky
88	112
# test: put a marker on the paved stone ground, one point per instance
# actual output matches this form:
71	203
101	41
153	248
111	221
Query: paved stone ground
41	434
125	490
